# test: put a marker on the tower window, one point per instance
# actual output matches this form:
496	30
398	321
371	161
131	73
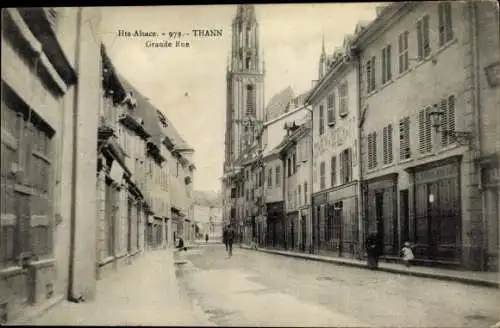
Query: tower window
251	100
247	62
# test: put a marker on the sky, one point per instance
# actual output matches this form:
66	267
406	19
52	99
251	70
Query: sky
188	84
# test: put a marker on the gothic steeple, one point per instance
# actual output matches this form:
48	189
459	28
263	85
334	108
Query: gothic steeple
322	59
245	55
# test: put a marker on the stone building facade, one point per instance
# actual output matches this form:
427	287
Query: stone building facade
421	183
48	121
336	199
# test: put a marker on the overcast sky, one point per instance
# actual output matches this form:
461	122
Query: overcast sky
188	84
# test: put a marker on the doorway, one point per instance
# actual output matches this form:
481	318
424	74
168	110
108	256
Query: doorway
404	214
379	212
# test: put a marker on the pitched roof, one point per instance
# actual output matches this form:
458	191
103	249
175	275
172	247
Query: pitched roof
150	114
278	103
146	111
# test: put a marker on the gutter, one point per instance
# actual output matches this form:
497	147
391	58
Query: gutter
361	201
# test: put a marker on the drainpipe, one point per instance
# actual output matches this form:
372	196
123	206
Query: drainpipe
476	149
361	201
311	175
71	273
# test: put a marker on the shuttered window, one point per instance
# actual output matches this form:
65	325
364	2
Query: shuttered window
372	150
344	99
370	75
386	64
270	178
387	144
403	52
445	23
321	120
424	131
345	166
322	175
299	195
331	109
26	162
278	175
305	192
333	171
423	44
447	120
404	138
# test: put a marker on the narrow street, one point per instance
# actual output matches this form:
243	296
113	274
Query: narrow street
254	288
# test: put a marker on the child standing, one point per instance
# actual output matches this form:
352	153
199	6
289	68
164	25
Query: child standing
407	254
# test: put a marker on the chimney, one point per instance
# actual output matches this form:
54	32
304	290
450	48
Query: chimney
379	9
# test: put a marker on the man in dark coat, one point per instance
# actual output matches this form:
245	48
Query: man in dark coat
229	237
373	249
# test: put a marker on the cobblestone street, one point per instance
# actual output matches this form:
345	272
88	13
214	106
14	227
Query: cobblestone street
253	288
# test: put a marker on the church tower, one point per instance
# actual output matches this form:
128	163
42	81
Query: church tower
322	60
245	84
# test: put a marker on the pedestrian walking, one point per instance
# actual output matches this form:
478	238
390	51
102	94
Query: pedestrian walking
229	239
373	250
206	238
407	254
180	245
224	239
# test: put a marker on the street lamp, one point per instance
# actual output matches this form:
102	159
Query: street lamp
435	116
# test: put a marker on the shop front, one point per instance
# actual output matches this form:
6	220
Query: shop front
436	226
381	216
274	215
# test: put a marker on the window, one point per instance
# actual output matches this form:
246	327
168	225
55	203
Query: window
321	120
370	75
299	195
423	45
294	163
251	100
270	178
344	100
25	218
278	175
404	138
403	52
346	166
333	171
447	120
331	109
424	131
445	25
386	64
305	193
322	175
372	150
247	175
289	166
260	177
387	144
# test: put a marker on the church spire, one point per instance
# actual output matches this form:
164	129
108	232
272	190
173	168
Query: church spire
245	13
323	54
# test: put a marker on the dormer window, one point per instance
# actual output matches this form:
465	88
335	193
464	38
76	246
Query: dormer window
162	118
130	100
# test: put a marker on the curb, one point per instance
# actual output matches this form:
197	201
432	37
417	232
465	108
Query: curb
437	276
32	313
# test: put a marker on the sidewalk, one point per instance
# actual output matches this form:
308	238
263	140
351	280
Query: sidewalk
488	279
143	293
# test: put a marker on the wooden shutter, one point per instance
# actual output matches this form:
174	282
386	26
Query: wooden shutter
420	40
448	21
441	20
451	117
444	121
426	44
384	145
333	169
404	138
384	66
342	167
388	65
389	144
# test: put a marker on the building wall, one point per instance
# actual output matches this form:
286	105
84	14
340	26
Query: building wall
341	135
422	86
274	192
274	129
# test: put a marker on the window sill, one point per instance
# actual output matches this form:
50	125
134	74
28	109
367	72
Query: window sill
11	271
405	160
401	75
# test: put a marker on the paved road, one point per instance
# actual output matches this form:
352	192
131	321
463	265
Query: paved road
254	288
